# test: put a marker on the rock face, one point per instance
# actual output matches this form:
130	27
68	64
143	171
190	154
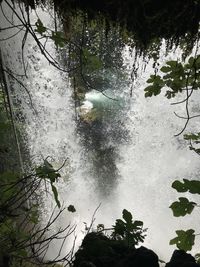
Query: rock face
141	257
98	250
182	259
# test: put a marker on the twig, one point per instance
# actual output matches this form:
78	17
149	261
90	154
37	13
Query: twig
93	218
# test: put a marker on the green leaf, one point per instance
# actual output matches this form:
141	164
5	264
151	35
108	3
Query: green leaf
177	85
191	61
129	231
52	176
127	216
170	94
172	63
151	79
192	186
197	65
179	186
55	193
71	208
58	38
184	239
152	90
40	28
182	207
165	69
155	88
119	228
47	171
192	136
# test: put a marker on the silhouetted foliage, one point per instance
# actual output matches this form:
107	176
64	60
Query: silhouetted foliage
145	20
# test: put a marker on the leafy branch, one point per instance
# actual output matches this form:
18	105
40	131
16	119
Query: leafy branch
177	77
129	231
28	240
184	239
46	171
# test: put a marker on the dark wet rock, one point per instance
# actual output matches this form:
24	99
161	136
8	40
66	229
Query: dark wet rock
98	250
141	257
182	259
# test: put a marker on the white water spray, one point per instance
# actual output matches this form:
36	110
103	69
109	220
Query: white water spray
148	161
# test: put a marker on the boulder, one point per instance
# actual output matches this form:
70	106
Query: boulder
97	250
141	257
182	259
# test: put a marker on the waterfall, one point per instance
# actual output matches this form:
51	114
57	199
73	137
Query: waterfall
138	141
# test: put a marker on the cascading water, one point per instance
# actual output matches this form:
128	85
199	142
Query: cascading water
126	159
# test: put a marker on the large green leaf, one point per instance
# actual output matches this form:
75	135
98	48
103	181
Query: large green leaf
192	186
178	76
182	207
127	216
179	186
155	88
184	239
40	28
130	231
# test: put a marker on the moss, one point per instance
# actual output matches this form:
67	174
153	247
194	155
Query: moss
146	20
89	116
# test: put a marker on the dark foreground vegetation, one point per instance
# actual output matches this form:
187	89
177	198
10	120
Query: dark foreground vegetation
147	21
